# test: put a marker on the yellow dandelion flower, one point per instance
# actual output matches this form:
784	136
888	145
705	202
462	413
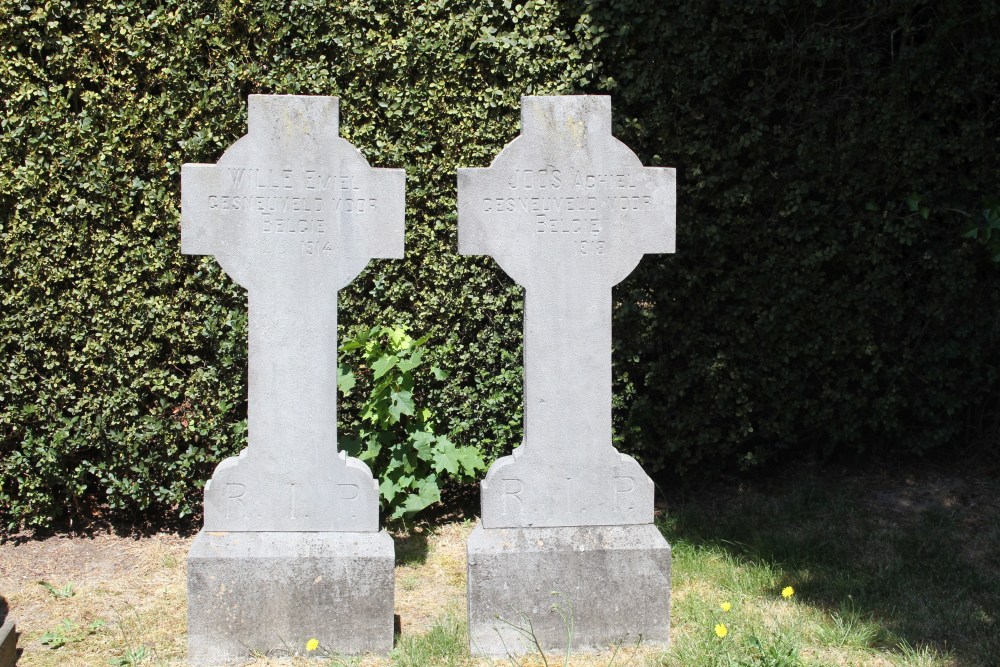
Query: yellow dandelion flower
787	592
721	630
312	644
725	606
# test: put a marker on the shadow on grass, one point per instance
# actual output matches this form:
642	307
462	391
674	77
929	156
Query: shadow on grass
459	502
918	551
412	545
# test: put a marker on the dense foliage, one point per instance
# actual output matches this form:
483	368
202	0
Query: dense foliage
395	433
123	375
824	296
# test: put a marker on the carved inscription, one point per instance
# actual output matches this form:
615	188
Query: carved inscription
512	488
624	491
235	502
348	491
570	206
293	210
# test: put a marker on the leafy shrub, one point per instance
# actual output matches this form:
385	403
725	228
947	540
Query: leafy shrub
394	434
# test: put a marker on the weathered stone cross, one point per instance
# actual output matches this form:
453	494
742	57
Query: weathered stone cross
567	211
293	213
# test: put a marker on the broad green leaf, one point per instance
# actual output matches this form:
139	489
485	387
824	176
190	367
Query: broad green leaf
470	459
423	443
349	444
446	457
398	337
384	365
427	494
428	489
351	345
388	489
407	364
402	404
345	379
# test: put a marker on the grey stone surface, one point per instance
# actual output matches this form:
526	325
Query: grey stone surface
272	592
612	583
567	211
8	643
293	213
290	549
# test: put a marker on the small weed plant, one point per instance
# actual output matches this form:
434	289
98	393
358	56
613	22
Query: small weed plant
564	609
131	657
63	592
131	628
68	632
727	642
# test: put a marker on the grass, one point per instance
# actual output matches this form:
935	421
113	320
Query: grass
888	570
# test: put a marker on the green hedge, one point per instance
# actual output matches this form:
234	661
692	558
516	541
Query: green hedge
123	375
823	299
792	316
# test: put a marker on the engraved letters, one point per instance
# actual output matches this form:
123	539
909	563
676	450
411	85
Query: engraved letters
570	204
234	497
348	491
293	204
512	488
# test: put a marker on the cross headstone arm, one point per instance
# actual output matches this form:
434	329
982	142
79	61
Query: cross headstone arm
473	234
658	228
385	239
201	215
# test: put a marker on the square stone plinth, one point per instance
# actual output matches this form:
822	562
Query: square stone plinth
8	643
271	592
594	586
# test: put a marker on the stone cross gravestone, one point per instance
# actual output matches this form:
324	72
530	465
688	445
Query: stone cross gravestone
291	547
567	211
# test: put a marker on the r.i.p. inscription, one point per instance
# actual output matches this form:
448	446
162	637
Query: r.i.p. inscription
293	213
567	211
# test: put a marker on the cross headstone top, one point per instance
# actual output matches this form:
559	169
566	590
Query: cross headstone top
293	213
567	211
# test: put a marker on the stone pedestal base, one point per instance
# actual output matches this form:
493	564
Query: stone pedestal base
594	586
272	592
8	644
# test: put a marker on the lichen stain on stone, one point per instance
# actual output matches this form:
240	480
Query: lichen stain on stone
576	130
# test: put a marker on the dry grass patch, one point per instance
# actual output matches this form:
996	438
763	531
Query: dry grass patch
431	582
127	594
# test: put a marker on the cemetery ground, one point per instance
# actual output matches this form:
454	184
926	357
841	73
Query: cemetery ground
887	568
